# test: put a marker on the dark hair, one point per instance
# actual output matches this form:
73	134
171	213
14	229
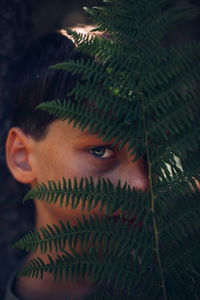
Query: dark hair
35	83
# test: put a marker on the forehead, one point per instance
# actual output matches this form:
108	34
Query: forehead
62	131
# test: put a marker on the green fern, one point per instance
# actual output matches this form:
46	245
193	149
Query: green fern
153	95
90	195
93	233
87	264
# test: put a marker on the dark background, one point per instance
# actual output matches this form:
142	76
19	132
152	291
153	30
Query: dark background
63	13
45	16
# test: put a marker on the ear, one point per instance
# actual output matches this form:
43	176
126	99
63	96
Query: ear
19	151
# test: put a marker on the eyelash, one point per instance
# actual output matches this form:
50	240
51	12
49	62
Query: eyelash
100	158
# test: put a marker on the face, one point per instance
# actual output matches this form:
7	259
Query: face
69	152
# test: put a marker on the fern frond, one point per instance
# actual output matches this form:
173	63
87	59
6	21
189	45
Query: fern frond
104	192
105	125
133	22
179	220
181	258
86	69
99	79
122	272
104	234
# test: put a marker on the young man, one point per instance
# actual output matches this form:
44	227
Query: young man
40	147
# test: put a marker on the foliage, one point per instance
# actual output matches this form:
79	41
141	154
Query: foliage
147	96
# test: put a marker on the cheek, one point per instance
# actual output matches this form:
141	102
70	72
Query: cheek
63	165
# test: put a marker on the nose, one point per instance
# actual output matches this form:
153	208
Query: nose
135	174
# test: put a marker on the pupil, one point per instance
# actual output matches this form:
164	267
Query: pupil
99	151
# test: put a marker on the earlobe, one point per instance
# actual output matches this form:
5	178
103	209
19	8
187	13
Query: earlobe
18	156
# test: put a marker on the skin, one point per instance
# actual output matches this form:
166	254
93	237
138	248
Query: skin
65	152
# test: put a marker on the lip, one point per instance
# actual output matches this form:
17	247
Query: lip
131	222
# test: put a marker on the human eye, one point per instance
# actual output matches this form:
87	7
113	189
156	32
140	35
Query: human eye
102	152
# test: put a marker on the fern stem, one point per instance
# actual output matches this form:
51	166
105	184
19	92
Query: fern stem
153	197
153	210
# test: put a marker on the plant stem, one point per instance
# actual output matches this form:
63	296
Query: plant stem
153	197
